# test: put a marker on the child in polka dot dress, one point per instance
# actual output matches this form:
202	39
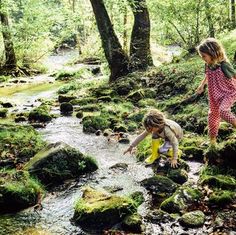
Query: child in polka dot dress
221	80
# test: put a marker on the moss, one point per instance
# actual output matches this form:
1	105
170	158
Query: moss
67	88
93	123
222	197
219	181
40	114
19	142
148	103
90	108
3	113
180	200
193	219
18	190
58	162
100	209
84	101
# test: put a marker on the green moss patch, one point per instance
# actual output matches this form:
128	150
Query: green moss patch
18	143
58	162
18	190
97	209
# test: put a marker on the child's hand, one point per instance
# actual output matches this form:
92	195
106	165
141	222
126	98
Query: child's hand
200	89
174	163
129	149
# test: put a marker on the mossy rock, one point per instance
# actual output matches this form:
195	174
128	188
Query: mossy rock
159	185
90	108
18	190
135	96
101	210
158	216
132	223
193	219
148	102
26	141
219	181
65	98
105	98
103	90
84	101
66	108
221	198
179	176
120	128
58	162
223	154
180	200
40	114
3	112
137	116
124	86
132	126
93	123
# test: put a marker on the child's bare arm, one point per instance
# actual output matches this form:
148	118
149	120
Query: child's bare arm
200	88
137	140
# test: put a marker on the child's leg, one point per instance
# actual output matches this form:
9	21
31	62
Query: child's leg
213	124
225	111
156	143
165	147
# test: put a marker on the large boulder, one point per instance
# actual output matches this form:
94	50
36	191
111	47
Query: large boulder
98	210
58	162
181	200
159	185
223	154
18	191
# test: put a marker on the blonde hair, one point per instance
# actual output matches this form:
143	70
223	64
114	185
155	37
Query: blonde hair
154	118
214	49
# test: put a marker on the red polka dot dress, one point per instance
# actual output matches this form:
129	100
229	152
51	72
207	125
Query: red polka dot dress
222	96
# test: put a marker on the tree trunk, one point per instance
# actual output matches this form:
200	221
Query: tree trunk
125	38
209	19
233	19
10	57
116	57
140	53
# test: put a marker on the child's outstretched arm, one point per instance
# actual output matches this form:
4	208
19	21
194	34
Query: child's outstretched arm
137	140
200	88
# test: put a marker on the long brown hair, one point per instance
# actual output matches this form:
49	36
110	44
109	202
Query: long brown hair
214	49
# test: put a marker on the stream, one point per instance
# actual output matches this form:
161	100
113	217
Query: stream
57	205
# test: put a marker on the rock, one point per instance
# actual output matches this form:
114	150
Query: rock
101	210
79	114
124	141
66	108
193	219
180	200
159	185
65	98
17	191
179	176
158	216
58	162
133	223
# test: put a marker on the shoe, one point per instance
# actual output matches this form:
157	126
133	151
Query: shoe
170	153
156	143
